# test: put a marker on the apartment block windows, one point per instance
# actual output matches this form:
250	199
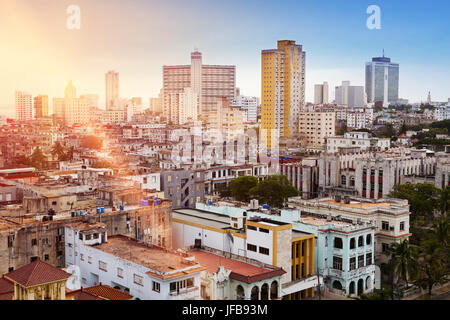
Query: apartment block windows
352	243
263	230
120	272
251	247
337	263
369	239
264	251
34	242
251	228
360	241
156	286
10	241
385	225
384	247
138	280
402	226
353	263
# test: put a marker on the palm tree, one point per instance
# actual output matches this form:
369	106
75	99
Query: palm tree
58	150
403	260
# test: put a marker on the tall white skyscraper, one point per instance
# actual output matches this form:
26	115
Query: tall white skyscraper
112	89
24	106
209	82
321	93
382	80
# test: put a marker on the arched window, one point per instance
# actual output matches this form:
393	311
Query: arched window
338	243
352	287
352	243
274	290
265	292
240	294
360	241
352	181
369	239
255	293
337	285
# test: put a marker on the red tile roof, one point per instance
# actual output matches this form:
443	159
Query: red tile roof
108	292
36	273
99	292
241	271
6	289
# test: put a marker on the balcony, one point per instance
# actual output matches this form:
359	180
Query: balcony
185	293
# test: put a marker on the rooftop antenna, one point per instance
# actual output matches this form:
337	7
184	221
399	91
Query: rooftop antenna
383	53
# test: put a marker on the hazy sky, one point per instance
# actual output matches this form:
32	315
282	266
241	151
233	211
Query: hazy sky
39	54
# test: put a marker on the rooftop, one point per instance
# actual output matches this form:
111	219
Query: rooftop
99	292
162	262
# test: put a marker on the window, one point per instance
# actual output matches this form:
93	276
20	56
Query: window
384	225
81	257
251	247
138	280
343	180
156	286
263	230
120	272
10	241
102	265
368	259
80	236
89	260
352	243
95	236
338	243
402	226
46	257
263	250
361	261
169	178
337	263
352	263
360	241
251	228
384	247
369	239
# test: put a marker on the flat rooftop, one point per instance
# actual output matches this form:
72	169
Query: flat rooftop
162	263
210	219
360	205
323	222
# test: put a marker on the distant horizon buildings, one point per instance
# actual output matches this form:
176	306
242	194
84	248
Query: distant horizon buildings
282	90
350	96
41	106
321	93
382	80
249	105
71	109
24	106
112	89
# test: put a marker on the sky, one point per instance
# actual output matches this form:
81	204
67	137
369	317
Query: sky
39	54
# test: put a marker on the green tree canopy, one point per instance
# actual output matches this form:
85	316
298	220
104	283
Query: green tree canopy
274	191
240	187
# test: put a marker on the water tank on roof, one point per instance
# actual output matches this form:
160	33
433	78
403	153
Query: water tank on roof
265	207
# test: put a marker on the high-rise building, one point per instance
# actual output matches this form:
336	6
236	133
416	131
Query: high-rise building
350	96
382	80
282	89
24	106
249	106
209	82
112	89
316	126
92	99
41	106
70	109
321	93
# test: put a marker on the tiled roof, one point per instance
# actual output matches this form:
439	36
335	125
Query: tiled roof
108	292
241	271
6	289
37	272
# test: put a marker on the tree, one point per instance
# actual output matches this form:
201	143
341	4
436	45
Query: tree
240	187
38	159
223	190
444	201
433	265
58	150
274	191
91	142
403	261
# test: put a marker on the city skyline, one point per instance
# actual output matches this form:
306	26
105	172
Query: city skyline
139	50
